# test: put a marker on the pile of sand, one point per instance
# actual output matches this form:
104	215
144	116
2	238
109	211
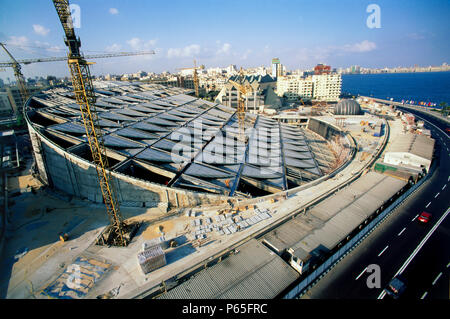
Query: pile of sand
153	230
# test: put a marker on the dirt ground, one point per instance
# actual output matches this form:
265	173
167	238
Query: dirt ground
152	231
36	219
21	182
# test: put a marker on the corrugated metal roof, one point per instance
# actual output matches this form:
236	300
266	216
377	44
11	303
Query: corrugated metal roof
255	272
334	218
420	145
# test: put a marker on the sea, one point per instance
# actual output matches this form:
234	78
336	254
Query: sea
425	87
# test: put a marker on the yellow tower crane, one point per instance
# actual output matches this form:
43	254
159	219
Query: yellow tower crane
117	233
20	79
196	81
243	90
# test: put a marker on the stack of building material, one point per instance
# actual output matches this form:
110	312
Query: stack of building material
151	259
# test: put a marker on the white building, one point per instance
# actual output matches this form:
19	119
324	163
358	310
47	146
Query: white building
260	98
323	87
294	87
411	151
327	87
277	68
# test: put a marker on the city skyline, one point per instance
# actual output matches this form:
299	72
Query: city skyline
301	34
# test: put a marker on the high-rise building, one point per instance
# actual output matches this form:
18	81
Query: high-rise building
327	87
355	69
322	87
277	68
293	87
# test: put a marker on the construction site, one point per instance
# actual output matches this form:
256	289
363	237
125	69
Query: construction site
203	200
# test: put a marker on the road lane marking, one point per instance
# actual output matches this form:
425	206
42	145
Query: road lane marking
443	187
424	295
415	217
401	231
437	278
424	240
435	196
428	205
383	251
361	273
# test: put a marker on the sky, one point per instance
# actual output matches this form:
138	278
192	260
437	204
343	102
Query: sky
217	33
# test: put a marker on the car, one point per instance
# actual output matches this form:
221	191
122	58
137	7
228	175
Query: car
396	287
424	217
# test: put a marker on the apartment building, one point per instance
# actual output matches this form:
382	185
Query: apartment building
323	87
327	87
294	87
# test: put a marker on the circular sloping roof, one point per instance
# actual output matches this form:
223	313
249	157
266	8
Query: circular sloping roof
347	107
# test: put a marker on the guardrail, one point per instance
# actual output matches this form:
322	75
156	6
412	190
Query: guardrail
312	278
433	113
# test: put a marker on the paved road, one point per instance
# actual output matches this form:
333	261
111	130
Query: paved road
394	241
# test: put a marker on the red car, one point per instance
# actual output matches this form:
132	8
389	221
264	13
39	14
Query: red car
424	217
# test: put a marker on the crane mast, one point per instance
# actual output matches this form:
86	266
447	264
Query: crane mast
85	97
19	76
195	79
243	90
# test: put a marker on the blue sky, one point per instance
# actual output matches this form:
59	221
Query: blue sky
246	33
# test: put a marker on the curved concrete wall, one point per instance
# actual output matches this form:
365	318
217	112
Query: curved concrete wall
78	177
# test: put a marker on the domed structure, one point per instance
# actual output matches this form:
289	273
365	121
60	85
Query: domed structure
169	149
347	107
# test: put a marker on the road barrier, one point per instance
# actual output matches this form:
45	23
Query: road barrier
312	278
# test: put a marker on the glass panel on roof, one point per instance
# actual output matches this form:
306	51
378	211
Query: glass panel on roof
114	116
149	127
117	142
134	133
159	121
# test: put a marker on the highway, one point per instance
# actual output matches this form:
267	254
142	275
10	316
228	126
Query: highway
401	244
